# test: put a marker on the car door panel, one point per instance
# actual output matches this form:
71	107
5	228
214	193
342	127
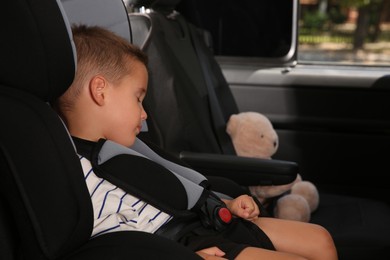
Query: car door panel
335	125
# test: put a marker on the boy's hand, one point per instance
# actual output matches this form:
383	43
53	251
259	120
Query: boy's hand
211	253
243	206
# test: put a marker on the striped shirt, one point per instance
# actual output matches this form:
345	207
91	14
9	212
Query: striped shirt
116	210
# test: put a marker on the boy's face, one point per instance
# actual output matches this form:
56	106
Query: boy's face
125	110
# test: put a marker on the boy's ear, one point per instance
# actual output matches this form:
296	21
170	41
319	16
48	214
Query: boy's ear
97	89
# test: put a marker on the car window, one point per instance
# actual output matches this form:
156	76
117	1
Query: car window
256	30
345	31
317	31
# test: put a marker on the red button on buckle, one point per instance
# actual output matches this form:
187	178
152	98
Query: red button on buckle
225	215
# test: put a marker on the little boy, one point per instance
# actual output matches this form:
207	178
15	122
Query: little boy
104	102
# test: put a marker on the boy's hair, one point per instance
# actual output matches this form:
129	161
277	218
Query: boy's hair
99	51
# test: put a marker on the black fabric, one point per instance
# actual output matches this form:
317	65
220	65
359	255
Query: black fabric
360	227
41	176
39	173
179	117
219	120
232	241
163	187
139	176
9	239
37	43
132	245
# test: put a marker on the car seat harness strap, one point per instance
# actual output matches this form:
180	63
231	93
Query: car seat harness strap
175	189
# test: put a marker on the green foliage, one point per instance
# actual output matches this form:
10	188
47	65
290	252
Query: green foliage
336	16
314	20
358	3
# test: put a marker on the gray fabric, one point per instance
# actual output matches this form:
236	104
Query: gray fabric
68	28
144	126
141	29
111	15
185	172
188	177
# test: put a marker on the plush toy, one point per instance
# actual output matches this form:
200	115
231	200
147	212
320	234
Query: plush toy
253	135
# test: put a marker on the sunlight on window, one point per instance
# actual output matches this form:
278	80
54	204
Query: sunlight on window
345	31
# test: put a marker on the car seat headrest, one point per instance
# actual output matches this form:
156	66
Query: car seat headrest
109	14
36	48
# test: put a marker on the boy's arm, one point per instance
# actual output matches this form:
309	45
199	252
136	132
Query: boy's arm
243	206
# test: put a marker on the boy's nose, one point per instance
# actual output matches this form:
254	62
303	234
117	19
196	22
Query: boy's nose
144	115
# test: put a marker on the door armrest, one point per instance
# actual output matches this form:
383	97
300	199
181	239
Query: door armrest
243	170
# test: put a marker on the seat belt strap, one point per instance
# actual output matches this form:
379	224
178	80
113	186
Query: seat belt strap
144	174
218	118
189	178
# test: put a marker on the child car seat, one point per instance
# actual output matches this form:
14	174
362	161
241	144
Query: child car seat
45	207
180	119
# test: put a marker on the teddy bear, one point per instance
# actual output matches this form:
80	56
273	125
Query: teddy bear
253	135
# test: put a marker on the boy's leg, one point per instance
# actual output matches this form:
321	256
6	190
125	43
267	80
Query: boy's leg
305	239
261	253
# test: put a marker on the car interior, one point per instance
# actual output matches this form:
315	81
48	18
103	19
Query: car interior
45	210
180	110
